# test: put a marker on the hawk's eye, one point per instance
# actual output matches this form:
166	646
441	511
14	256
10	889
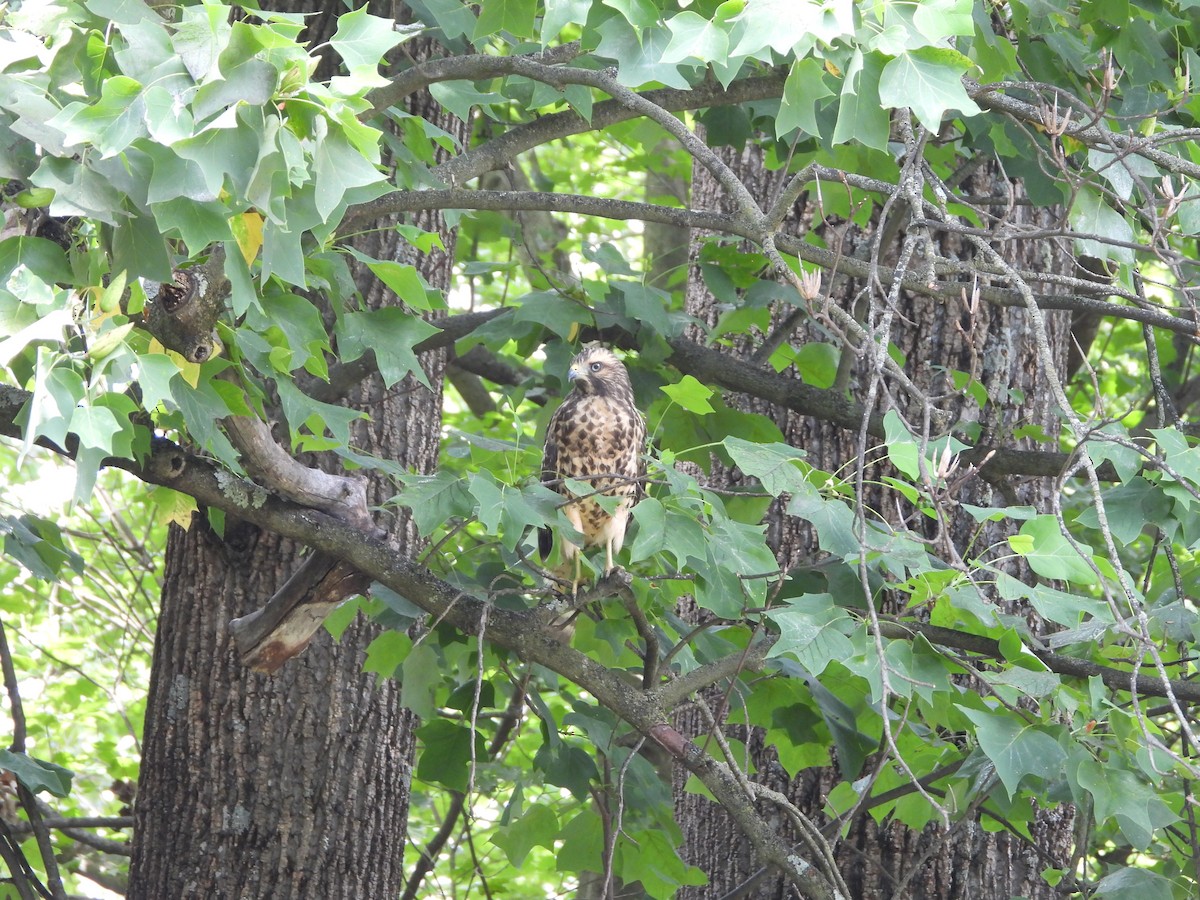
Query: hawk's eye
595	367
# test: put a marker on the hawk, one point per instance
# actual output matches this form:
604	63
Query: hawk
596	437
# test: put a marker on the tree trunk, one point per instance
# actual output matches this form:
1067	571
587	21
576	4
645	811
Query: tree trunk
294	785
890	860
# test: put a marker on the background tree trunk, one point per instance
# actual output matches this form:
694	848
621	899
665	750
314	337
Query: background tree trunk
996	345
294	785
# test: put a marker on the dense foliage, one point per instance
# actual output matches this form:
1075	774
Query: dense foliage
147	157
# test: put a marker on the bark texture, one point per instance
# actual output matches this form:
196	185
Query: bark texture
294	785
996	346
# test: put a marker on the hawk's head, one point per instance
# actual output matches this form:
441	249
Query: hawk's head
598	371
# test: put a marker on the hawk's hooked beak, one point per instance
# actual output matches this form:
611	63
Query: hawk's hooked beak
572	373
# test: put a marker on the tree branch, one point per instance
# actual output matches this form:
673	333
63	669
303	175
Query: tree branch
500	151
989	96
1117	679
850	266
28	800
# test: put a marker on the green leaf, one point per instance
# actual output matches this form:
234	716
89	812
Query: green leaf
37	775
647	305
649	858
774	465
928	80
650	539
1017	749
97	427
813	630
1049	554
1121	794
198	224
565	765
802	92
419	680
37	544
638	54
582	838
939	19
48	328
690	394
509	512
791	25
1134	884
538	827
404	280
386	653
833	520
250	81
737	569
435	499
338	167
861	114
1055	605
1129	508
1091	214
666	530
514	16
110	124
695	39
901	445
391	333
43	258
446	757
362	39
155	372
553	311
851	744
1126	460
78	191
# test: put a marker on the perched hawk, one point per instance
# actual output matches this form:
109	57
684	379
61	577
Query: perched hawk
597	437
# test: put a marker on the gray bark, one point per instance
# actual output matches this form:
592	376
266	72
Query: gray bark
294	785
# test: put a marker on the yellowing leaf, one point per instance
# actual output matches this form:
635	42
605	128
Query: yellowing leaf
173	506
189	370
248	232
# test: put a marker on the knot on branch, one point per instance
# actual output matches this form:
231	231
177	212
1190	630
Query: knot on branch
182	313
167	460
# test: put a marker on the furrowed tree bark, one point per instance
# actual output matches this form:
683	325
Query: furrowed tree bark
294	785
889	860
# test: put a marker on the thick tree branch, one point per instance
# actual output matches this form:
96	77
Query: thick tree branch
273	467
